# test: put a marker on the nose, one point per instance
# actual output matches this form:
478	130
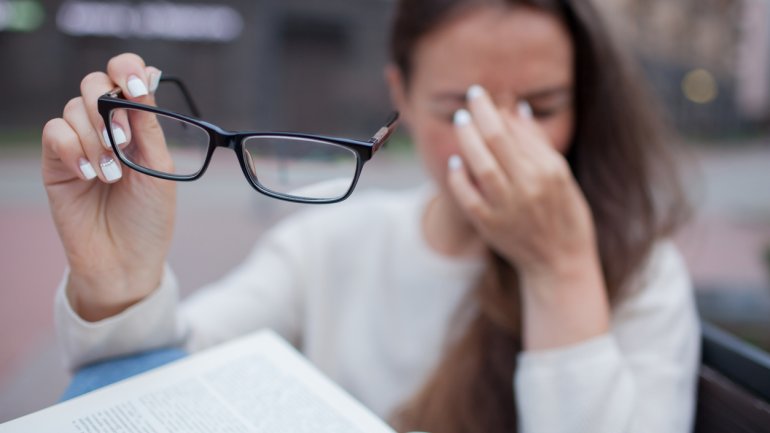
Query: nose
506	101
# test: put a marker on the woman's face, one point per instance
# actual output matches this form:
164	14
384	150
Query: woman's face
517	54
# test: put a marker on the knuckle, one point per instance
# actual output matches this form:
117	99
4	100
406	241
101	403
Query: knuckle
50	125
124	59
477	210
54	136
532	192
72	106
489	177
557	171
549	173
49	128
90	79
495	138
129	57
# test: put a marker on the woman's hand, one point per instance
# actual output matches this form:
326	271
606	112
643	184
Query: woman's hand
520	195
115	224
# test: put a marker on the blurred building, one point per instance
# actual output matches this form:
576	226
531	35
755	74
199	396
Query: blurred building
708	59
317	65
267	64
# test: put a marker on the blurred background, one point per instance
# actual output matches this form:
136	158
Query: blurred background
317	67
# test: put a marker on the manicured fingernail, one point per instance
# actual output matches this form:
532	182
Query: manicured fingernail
110	168
455	162
87	169
105	139
136	86
155	80
525	110
117	133
475	91
462	117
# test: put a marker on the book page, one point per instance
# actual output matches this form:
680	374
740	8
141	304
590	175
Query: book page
257	383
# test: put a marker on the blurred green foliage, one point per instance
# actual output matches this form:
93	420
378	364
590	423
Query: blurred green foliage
20	139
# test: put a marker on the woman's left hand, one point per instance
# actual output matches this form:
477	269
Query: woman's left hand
519	193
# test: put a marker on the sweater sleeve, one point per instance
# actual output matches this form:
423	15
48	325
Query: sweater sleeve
640	377
143	326
264	291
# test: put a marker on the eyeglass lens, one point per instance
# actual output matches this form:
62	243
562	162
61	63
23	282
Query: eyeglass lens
300	168
161	143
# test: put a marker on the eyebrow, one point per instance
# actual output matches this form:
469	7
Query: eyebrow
548	92
459	97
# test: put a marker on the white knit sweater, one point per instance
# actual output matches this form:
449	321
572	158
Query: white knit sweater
356	288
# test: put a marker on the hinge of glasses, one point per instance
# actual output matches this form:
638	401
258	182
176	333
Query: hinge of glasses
377	138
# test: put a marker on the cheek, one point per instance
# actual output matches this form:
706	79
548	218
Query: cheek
435	141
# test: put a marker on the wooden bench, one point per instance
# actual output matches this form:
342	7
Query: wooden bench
734	386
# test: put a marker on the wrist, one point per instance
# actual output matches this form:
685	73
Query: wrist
94	298
570	271
567	305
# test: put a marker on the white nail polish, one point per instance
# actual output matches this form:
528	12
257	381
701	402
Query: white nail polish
155	80
87	169
119	135
105	139
455	162
462	117
110	168
475	91
136	87
525	110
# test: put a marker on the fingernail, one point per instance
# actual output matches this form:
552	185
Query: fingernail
117	133
105	139
462	117
136	86
155	80
455	162
87	169
525	110
110	168
475	91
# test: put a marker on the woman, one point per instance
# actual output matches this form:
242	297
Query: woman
529	288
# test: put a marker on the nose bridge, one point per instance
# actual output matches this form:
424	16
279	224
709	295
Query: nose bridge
226	139
505	100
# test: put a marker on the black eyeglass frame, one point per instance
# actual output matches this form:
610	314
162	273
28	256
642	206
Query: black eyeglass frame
219	137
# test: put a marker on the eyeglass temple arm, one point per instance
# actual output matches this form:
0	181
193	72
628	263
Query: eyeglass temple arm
117	92
382	136
185	93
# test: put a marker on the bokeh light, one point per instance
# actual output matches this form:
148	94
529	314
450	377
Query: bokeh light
21	15
186	22
700	86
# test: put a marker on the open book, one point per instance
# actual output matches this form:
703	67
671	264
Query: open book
257	383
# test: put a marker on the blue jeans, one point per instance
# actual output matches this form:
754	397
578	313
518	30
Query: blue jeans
103	373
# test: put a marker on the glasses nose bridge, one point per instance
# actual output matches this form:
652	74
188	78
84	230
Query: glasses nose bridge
226	139
232	140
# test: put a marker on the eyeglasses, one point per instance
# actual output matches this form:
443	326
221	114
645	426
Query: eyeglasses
289	166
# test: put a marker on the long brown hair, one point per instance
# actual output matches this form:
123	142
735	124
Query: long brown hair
625	170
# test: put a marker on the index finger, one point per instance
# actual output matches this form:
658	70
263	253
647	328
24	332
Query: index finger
128	71
92	87
493	128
